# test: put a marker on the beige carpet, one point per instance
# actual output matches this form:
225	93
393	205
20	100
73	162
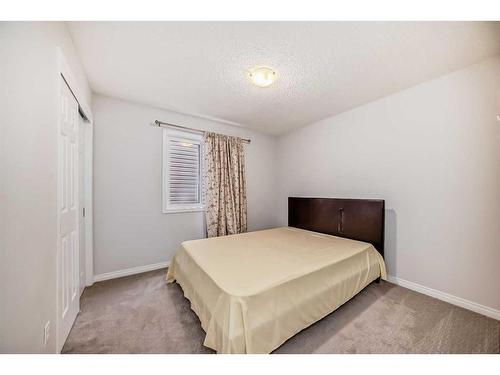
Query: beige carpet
142	314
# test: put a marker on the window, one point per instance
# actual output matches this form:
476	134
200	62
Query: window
181	171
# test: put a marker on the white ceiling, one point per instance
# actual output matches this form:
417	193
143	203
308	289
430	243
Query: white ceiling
324	68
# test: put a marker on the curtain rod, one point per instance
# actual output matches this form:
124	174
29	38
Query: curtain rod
166	124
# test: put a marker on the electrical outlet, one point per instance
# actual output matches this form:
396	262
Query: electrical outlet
46	333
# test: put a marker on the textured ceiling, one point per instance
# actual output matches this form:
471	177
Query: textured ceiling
324	68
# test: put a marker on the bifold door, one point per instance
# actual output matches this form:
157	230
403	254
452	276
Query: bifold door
68	214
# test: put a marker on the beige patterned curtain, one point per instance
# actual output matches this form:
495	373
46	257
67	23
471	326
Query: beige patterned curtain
224	186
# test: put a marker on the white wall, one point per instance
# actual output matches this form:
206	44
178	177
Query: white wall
28	176
130	229
433	153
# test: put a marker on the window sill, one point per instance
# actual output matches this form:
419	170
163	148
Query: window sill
182	210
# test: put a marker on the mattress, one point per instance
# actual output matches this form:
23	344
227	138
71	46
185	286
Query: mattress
253	291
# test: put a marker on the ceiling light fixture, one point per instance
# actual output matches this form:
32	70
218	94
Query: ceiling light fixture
262	76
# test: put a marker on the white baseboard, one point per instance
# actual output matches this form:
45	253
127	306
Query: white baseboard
454	300
130	271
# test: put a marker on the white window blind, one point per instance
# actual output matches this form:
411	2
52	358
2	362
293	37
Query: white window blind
182	171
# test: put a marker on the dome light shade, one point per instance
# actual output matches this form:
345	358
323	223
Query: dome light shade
262	76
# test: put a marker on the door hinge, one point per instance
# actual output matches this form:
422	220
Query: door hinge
83	213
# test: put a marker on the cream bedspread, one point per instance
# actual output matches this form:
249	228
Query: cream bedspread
255	290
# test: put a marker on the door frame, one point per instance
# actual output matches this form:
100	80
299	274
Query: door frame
89	205
65	76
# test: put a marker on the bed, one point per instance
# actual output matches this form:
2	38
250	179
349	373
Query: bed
255	290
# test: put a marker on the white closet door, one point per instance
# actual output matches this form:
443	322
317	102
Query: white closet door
68	215
81	198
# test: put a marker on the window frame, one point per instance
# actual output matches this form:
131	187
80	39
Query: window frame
191	137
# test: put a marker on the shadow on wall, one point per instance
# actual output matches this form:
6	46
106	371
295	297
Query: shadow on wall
391	241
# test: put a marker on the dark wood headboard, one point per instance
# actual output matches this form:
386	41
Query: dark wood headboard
357	219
